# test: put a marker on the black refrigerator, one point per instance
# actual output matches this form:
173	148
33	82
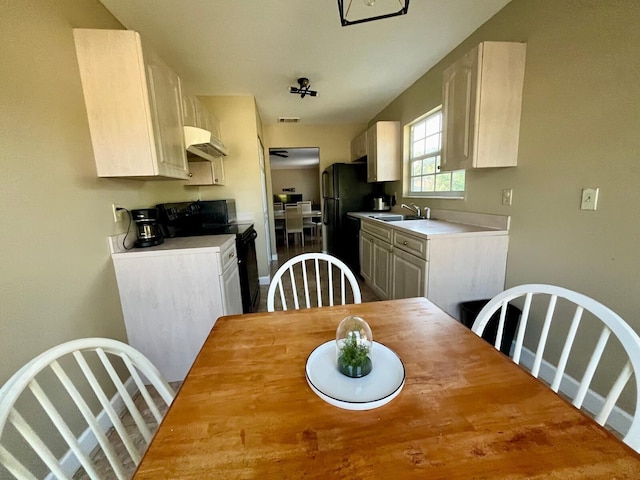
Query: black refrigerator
345	189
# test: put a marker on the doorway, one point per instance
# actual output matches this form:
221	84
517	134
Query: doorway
295	177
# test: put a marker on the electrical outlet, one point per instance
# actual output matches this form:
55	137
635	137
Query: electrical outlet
589	199
117	214
507	196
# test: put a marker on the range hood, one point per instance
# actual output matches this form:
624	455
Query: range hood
200	142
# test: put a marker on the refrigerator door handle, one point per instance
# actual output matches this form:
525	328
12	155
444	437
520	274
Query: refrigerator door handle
324	212
324	174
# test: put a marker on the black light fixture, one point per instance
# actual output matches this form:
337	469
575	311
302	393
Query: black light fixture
379	15
304	88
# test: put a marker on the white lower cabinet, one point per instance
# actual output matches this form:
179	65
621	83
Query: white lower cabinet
171	298
445	268
409	275
375	263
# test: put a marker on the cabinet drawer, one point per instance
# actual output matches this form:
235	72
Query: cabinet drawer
378	230
413	245
228	257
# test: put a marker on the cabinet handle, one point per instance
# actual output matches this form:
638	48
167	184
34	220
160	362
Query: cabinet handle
190	174
231	255
404	243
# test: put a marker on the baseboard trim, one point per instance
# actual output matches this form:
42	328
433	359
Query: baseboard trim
619	420
69	463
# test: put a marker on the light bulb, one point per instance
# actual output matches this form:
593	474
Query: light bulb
369	3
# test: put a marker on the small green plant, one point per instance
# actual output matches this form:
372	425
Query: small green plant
354	360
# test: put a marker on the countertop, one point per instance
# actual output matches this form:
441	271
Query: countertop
430	228
174	246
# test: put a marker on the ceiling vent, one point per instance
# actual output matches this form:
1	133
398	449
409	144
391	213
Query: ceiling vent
288	119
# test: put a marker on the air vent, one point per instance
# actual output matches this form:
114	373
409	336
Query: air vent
288	119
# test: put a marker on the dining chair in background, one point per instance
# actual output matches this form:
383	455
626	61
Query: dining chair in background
312	280
307	222
572	310
49	400
293	223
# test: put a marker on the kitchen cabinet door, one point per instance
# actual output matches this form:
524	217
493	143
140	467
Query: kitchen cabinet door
366	256
231	293
384	152
165	98
359	147
381	274
134	106
206	173
482	99
409	274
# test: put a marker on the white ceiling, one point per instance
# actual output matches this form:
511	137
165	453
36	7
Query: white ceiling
261	48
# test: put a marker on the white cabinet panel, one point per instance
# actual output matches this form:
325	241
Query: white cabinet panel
171	301
482	101
134	106
384	152
409	274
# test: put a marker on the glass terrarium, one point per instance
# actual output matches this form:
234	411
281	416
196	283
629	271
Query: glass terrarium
354	342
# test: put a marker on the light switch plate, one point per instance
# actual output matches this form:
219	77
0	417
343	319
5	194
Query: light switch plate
507	196
589	199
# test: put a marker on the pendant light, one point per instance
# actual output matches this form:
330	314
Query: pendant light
370	11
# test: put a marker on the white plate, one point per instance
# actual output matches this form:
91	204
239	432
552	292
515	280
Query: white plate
382	385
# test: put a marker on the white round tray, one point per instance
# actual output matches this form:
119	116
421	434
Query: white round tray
382	385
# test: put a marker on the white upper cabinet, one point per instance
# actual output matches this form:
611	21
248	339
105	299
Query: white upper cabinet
384	151
134	106
482	98
202	172
359	147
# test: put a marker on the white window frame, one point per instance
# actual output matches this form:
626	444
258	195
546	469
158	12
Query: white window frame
436	155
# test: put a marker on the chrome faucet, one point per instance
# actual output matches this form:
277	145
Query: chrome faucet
416	209
413	208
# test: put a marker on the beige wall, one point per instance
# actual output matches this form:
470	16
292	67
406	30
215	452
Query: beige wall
334	142
58	281
239	127
579	128
306	181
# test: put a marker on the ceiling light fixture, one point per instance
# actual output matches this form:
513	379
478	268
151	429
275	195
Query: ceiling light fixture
378	14
303	89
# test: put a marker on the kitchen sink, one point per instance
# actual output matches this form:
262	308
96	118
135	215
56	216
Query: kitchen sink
387	217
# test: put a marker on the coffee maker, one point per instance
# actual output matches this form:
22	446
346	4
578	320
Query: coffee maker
147	226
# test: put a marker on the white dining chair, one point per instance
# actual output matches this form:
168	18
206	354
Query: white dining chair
293	223
72	394
307	222
571	310
312	280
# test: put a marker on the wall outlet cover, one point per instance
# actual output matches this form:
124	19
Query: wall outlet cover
507	196
589	199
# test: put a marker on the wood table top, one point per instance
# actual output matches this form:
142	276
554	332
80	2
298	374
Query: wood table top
246	411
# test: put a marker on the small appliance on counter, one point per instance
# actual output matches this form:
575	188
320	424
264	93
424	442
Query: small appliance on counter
148	229
381	203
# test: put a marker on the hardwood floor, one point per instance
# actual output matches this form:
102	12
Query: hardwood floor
311	245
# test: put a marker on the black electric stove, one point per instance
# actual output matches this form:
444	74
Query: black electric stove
186	219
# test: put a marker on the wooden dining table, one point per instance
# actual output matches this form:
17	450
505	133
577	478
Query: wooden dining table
246	410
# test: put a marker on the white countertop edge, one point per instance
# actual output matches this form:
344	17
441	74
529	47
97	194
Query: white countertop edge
172	246
429	228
